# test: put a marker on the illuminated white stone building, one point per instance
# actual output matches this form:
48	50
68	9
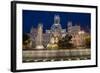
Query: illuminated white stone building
78	35
52	36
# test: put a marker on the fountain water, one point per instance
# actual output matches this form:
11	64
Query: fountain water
39	37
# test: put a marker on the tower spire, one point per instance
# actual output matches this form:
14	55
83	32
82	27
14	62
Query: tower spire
56	20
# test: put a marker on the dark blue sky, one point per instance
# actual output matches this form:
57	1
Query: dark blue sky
32	18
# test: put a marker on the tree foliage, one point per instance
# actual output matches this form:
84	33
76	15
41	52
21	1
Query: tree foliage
88	42
65	43
25	39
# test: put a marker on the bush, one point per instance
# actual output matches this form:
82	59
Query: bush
64	43
88	42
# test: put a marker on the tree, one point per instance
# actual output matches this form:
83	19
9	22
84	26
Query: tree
25	39
88	42
65	43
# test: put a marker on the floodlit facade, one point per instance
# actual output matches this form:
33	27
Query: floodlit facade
78	35
50	38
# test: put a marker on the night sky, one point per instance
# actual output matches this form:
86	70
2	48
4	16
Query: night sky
32	18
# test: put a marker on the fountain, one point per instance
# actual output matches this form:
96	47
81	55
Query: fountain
39	37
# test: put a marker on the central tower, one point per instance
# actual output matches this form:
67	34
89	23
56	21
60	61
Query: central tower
56	27
55	32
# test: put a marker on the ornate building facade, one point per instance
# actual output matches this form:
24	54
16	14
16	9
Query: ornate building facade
51	37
